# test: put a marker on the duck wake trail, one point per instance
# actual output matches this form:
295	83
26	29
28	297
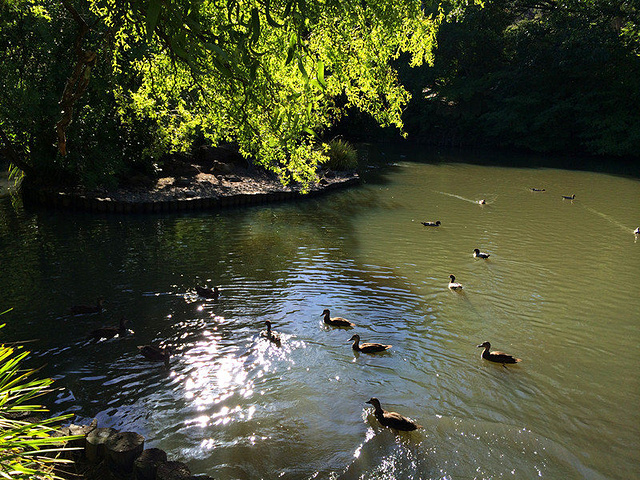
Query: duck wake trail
488	198
608	218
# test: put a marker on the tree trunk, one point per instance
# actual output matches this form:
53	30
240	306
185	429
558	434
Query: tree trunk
78	82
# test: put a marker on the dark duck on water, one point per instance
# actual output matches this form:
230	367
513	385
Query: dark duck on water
367	347
86	309
392	419
497	357
205	292
109	332
155	354
271	336
336	321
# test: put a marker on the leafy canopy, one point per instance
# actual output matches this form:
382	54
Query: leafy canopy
270	75
267	75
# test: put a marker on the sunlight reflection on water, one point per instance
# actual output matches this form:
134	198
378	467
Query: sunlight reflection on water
560	291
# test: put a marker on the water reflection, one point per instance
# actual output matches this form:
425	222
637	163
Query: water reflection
559	291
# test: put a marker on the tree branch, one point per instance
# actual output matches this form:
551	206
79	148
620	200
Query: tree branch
77	82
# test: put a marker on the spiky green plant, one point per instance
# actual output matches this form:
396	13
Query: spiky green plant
342	155
28	449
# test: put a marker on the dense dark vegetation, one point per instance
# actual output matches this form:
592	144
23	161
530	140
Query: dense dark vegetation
548	76
558	76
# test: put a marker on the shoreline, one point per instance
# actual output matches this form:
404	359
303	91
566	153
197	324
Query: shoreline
193	193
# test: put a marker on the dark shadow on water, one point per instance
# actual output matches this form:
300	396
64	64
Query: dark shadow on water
385	155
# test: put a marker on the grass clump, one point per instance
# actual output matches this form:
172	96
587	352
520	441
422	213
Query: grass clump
342	156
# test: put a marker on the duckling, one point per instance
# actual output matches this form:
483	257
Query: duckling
537	189
336	321
568	197
478	254
392	419
453	285
205	292
86	309
637	231
495	356
109	332
482	201
269	335
431	224
367	347
155	354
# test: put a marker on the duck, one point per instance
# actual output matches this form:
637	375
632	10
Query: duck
392	419
497	357
482	201
86	309
205	292
431	224
109	332
478	254
568	197
269	335
637	231
453	285
367	347
155	354
336	321
533	189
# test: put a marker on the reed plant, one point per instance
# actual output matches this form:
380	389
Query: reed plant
30	448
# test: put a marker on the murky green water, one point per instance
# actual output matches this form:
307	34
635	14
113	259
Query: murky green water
560	291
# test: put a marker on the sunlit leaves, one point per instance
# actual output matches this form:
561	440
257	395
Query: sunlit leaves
267	74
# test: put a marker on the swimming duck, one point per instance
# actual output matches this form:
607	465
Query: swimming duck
156	354
637	231
392	419
537	190
431	224
478	254
482	201
269	335
208	292
569	197
109	332
367	347
336	321
453	285
86	309
495	356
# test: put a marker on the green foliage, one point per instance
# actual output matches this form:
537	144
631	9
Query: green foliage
342	155
554	76
27	448
264	74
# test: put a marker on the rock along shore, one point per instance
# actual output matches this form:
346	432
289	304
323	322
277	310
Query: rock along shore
199	191
107	454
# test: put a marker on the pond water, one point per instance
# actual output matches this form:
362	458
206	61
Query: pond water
560	291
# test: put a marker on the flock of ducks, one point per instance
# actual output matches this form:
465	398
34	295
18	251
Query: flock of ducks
386	418
152	353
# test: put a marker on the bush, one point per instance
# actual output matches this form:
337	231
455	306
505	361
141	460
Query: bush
342	155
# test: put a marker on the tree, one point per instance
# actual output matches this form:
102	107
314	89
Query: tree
546	75
150	77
